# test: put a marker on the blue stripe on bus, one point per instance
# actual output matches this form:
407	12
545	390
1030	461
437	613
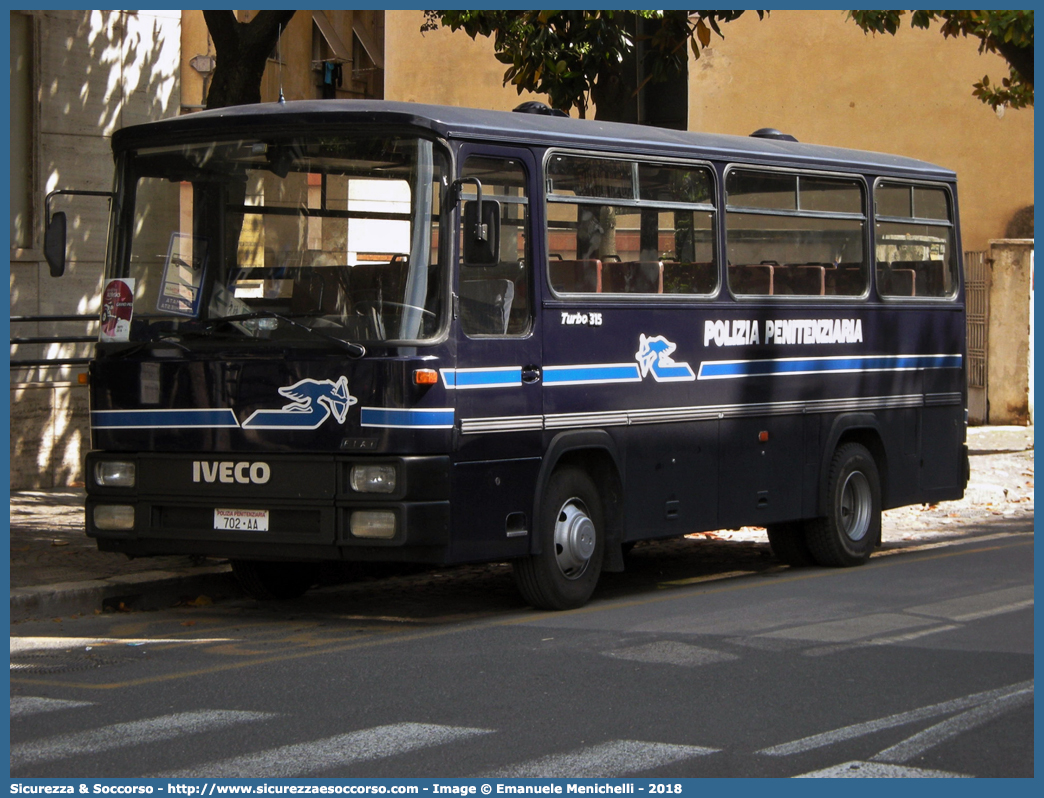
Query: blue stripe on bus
724	369
501	377
438	418
162	419
583	375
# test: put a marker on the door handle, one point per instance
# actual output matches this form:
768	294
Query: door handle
530	374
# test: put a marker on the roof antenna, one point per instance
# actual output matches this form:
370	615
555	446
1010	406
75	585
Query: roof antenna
279	54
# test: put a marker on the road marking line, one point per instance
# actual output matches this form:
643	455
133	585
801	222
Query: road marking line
979	605
699	580
608	760
877	770
849	629
24	706
120	735
301	759
900	719
822	651
974	616
951	727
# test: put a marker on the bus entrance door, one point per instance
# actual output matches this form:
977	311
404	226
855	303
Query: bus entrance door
497	381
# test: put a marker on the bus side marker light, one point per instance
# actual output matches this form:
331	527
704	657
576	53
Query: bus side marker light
763	436
425	377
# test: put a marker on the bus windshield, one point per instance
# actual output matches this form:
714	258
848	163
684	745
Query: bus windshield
278	238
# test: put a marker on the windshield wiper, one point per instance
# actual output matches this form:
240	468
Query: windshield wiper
354	349
154	337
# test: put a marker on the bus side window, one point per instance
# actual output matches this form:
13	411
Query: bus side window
620	227
795	234
914	241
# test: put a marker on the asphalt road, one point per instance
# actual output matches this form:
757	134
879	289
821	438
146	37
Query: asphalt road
919	663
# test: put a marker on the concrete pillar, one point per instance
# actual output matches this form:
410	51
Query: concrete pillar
1009	336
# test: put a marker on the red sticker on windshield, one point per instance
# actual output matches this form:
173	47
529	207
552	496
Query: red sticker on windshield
117	309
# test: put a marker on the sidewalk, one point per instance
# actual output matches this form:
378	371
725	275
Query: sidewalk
57	570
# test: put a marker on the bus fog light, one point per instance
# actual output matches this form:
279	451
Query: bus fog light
373	478
378	524
114	474
114	516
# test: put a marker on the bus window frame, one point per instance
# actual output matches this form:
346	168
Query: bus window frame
634	159
912	220
866	217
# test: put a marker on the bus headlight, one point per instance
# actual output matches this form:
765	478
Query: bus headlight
114	517
373	478
378	524
114	474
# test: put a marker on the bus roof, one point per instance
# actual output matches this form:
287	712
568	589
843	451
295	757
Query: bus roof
519	128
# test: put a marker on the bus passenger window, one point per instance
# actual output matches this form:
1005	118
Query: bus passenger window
914	242
795	234
629	228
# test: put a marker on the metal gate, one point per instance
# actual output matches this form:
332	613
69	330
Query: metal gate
977	309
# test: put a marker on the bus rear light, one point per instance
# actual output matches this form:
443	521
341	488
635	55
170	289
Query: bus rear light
114	517
115	474
378	524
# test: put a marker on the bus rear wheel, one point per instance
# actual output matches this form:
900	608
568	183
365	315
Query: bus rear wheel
847	535
571	527
267	581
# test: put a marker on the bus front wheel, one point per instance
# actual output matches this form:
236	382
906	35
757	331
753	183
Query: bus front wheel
267	581
847	535
571	527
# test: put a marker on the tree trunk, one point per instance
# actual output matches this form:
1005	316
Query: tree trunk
242	53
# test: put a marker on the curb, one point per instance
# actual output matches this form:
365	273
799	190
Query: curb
143	590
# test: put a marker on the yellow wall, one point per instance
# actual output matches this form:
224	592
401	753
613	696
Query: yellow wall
813	74
443	67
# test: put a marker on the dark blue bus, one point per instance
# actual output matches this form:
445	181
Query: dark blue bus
374	331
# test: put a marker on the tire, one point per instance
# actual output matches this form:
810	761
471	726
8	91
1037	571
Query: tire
789	545
571	527
267	581
852	526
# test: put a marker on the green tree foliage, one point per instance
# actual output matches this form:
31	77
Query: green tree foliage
578	58
1009	34
242	50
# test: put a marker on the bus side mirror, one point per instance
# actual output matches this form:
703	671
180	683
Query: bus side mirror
54	244
481	235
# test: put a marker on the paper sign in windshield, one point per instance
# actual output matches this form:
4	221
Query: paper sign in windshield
117	309
183	275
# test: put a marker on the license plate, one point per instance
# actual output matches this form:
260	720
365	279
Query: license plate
241	520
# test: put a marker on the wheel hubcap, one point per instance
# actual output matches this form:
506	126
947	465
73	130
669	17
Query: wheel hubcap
574	539
855	506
